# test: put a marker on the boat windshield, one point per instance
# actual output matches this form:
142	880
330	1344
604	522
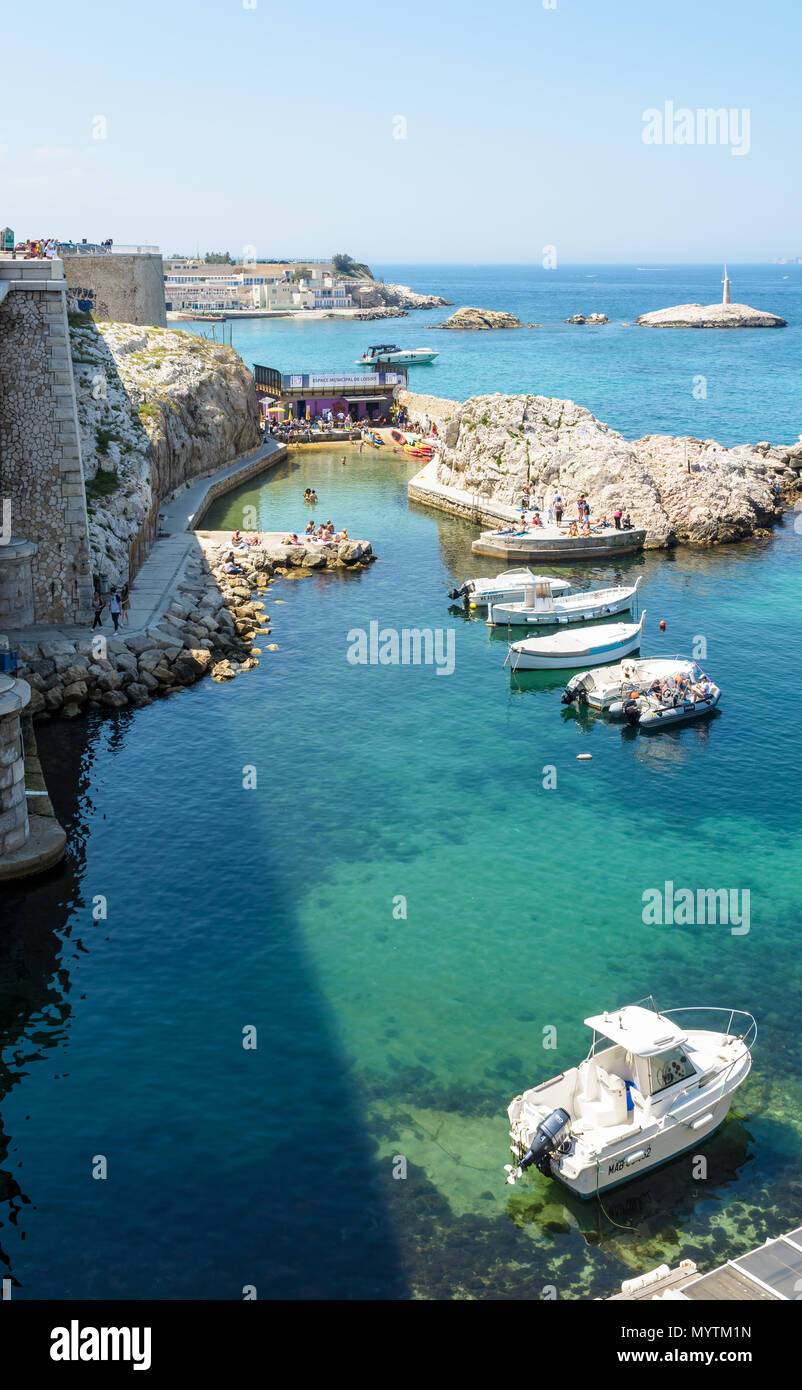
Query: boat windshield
667	1068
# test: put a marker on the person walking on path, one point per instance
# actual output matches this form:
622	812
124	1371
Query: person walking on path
125	601
115	608
557	504
97	608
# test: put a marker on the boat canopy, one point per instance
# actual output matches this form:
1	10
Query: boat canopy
639	1030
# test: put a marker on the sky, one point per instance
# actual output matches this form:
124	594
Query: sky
422	132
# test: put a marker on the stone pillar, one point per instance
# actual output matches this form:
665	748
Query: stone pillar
14	827
16	584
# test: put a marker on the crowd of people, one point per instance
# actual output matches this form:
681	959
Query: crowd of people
674	692
531	516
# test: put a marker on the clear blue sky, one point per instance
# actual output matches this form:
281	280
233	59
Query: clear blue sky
273	127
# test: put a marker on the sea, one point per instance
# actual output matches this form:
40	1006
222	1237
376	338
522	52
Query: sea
318	926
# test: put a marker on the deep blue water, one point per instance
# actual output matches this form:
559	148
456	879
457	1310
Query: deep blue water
382	1037
638	380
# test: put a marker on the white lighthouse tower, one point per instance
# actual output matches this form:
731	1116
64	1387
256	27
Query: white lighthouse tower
725	298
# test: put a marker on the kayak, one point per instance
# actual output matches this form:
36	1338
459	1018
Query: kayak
398	436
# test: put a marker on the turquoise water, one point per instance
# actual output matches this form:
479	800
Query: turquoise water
383	1037
638	380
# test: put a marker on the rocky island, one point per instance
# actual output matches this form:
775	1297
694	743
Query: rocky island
711	316
479	319
680	490
723	315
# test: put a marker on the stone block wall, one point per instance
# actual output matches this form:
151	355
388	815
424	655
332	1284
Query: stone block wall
14	827
40	457
119	288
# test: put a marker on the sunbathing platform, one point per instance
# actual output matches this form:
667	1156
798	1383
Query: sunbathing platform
552	543
771	1272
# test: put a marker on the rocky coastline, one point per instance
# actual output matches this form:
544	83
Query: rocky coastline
679	490
156	408
209	628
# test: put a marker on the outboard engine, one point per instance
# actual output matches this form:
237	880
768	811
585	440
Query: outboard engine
467	588
631	711
540	1150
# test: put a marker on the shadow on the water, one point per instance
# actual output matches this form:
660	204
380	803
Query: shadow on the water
238	1188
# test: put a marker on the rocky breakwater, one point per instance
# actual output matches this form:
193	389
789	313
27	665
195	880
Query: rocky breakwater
208	629
711	316
156	408
479	320
680	490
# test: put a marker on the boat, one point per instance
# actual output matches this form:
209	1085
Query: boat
556	543
626	691
508	587
398	436
654	1085
400	357
372	438
563	651
540	608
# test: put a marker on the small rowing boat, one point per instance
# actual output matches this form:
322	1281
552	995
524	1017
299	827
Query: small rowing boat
564	651
540	608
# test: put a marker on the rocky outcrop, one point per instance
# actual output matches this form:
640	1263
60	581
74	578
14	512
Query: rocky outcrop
680	490
395	296
589	318
156	407
479	319
710	316
382	313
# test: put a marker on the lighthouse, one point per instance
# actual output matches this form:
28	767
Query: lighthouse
725	298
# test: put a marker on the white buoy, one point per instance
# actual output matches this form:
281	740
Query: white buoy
583	757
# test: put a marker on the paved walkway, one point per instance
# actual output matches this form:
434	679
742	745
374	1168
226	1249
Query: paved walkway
157	581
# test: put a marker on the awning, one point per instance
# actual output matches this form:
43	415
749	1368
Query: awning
639	1030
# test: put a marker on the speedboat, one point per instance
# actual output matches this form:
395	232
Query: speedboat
508	587
629	691
399	357
653	1085
564	650
540	608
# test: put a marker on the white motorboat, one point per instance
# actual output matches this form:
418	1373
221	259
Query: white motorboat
652	693
399	357
508	587
657	1085
540	608
564	650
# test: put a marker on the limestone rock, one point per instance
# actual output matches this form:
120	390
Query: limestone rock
710	316
503	443
480	319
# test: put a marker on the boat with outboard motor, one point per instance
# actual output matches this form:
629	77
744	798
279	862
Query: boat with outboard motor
540	608
508	587
651	693
657	1085
562	651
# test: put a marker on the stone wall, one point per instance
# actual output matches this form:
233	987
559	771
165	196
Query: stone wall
14	695
40	456
119	289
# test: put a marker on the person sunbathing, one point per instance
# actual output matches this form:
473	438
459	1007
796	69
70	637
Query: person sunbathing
572	529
